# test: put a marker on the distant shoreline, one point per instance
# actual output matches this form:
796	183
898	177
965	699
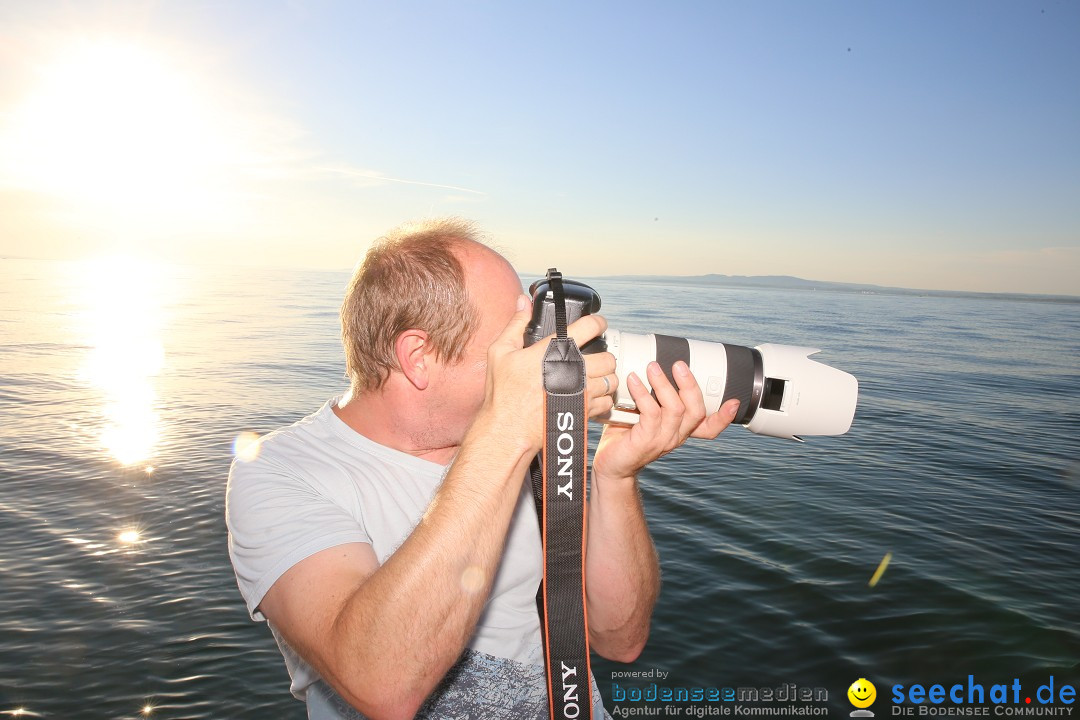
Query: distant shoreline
788	282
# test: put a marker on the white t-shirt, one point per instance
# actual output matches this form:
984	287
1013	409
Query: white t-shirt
318	483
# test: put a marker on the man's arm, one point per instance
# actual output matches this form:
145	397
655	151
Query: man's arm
621	565
384	636
621	568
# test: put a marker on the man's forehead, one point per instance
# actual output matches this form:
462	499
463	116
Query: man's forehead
483	266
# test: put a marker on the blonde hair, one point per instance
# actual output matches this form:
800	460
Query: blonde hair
410	278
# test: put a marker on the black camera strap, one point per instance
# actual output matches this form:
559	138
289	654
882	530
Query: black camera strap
559	484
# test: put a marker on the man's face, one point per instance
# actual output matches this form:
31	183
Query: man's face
493	289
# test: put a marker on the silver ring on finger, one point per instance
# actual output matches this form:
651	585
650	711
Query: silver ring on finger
607	385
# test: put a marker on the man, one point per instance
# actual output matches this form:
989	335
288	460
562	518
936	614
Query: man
390	539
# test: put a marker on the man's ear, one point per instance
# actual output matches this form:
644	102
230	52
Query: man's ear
411	350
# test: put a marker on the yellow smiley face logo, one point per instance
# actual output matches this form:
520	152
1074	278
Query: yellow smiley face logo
862	693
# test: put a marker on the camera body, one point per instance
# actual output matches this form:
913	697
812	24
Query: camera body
781	391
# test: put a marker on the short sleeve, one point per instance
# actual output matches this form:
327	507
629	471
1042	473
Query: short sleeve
276	519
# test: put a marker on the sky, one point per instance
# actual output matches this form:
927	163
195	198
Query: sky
914	144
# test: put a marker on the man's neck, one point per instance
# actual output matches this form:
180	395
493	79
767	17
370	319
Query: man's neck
381	420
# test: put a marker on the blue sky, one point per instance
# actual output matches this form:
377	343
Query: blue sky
919	144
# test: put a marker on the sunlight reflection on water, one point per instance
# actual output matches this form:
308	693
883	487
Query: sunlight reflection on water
120	303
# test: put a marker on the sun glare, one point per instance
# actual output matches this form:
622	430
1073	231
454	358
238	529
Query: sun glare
246	446
117	126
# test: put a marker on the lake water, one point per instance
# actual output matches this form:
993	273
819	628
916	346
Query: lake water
124	386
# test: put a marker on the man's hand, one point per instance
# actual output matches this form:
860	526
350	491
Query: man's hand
663	426
515	388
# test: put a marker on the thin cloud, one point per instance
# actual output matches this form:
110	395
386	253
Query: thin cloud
376	176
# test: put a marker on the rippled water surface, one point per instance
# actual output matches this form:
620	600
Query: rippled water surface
124	386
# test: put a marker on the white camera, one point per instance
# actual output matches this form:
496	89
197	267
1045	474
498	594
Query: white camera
781	391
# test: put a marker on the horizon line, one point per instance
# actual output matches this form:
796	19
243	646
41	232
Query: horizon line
835	285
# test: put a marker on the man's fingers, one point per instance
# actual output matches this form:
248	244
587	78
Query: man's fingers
670	401
582	330
600	404
647	407
716	423
691	396
599	364
586	328
603	385
513	335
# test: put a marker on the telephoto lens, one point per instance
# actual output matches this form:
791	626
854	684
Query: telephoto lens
781	391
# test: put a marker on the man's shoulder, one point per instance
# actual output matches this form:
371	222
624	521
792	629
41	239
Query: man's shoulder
285	451
320	454
320	444
304	436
